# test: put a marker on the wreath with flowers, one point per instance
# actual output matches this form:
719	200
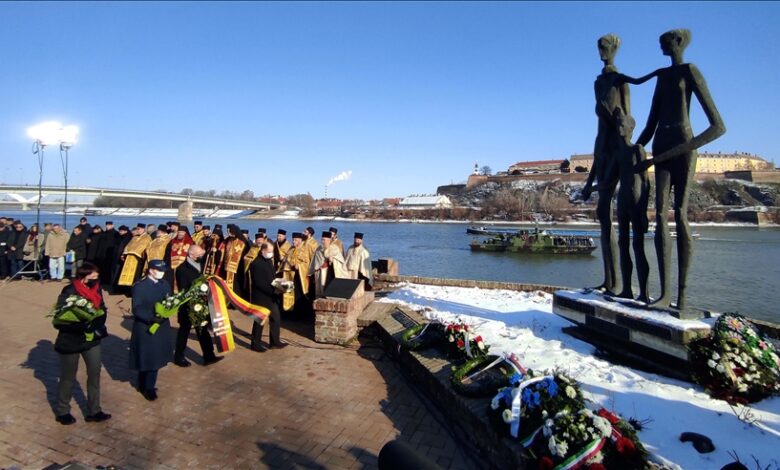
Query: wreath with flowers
547	413
422	336
463	343
736	363
483	376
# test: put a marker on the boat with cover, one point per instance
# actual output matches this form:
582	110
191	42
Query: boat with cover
536	241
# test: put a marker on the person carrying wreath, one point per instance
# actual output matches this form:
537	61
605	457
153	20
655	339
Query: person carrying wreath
81	339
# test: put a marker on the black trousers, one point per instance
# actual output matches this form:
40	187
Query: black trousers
147	380
204	338
4	267
275	321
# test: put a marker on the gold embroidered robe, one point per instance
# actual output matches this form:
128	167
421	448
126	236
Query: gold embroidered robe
134	256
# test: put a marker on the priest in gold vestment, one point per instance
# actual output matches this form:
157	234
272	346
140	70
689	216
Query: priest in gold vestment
133	257
295	267
358	262
335	240
327	264
177	253
281	247
198	235
235	249
158	247
250	256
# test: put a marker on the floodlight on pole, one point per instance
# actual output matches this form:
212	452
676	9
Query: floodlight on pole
68	136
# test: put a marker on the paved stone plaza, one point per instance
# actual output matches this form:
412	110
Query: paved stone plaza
306	406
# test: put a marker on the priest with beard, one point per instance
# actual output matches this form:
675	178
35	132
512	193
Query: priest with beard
295	267
358	262
327	264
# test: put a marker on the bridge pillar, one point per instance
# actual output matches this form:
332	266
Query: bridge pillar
185	212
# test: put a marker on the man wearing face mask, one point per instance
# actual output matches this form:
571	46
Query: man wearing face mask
188	272
150	352
264	295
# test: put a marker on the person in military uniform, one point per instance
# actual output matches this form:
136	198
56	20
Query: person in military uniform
150	352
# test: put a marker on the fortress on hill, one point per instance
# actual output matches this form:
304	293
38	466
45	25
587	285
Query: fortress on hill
575	168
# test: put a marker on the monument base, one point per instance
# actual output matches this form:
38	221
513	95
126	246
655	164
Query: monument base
654	338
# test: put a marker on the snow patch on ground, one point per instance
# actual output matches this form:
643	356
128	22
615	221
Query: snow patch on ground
523	323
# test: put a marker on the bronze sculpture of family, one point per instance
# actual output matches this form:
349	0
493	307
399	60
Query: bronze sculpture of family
616	159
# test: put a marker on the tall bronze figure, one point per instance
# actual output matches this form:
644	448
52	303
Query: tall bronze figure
675	154
612	97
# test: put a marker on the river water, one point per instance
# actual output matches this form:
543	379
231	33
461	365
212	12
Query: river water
735	268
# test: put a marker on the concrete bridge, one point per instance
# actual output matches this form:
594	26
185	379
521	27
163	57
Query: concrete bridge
17	192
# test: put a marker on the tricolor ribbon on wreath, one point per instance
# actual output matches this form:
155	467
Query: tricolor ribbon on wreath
219	295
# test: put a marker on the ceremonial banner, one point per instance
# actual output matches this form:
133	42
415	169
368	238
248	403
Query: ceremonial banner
219	294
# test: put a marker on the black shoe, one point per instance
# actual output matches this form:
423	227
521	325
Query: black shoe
150	395
98	417
259	348
182	362
213	360
66	419
279	346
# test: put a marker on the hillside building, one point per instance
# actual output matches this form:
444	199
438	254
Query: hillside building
706	163
419	202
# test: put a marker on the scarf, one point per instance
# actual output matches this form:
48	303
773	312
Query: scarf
93	294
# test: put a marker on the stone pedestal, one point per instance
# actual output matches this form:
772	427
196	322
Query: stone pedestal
185	212
628	329
336	319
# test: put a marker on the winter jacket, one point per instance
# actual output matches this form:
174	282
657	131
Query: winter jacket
56	244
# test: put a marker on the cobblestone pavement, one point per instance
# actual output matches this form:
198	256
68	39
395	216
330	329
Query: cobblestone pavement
306	406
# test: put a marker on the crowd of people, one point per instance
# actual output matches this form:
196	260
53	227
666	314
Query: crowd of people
150	262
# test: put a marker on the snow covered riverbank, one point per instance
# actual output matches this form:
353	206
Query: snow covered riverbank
523	323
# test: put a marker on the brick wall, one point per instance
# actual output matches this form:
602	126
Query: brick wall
335	320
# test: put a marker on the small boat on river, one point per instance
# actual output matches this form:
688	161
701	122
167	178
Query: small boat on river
536	241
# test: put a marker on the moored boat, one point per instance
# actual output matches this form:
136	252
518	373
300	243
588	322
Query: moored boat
536	241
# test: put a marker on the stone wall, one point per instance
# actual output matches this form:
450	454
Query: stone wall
434	281
335	320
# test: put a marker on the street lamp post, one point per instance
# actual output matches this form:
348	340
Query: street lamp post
68	136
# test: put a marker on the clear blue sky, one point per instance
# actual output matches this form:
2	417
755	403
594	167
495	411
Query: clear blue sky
280	97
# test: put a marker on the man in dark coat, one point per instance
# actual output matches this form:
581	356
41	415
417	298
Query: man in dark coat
16	250
186	274
6	239
78	244
150	352
110	241
124	237
263	294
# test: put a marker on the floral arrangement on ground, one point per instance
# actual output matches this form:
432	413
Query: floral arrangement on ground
736	363
422	336
548	414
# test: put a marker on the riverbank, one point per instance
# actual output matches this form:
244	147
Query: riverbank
523	323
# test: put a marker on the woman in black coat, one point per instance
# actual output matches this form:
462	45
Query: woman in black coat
150	352
72	342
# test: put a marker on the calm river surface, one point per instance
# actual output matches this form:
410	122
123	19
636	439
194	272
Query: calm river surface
734	268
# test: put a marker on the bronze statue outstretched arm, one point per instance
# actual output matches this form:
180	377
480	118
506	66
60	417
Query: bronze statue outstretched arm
716	128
